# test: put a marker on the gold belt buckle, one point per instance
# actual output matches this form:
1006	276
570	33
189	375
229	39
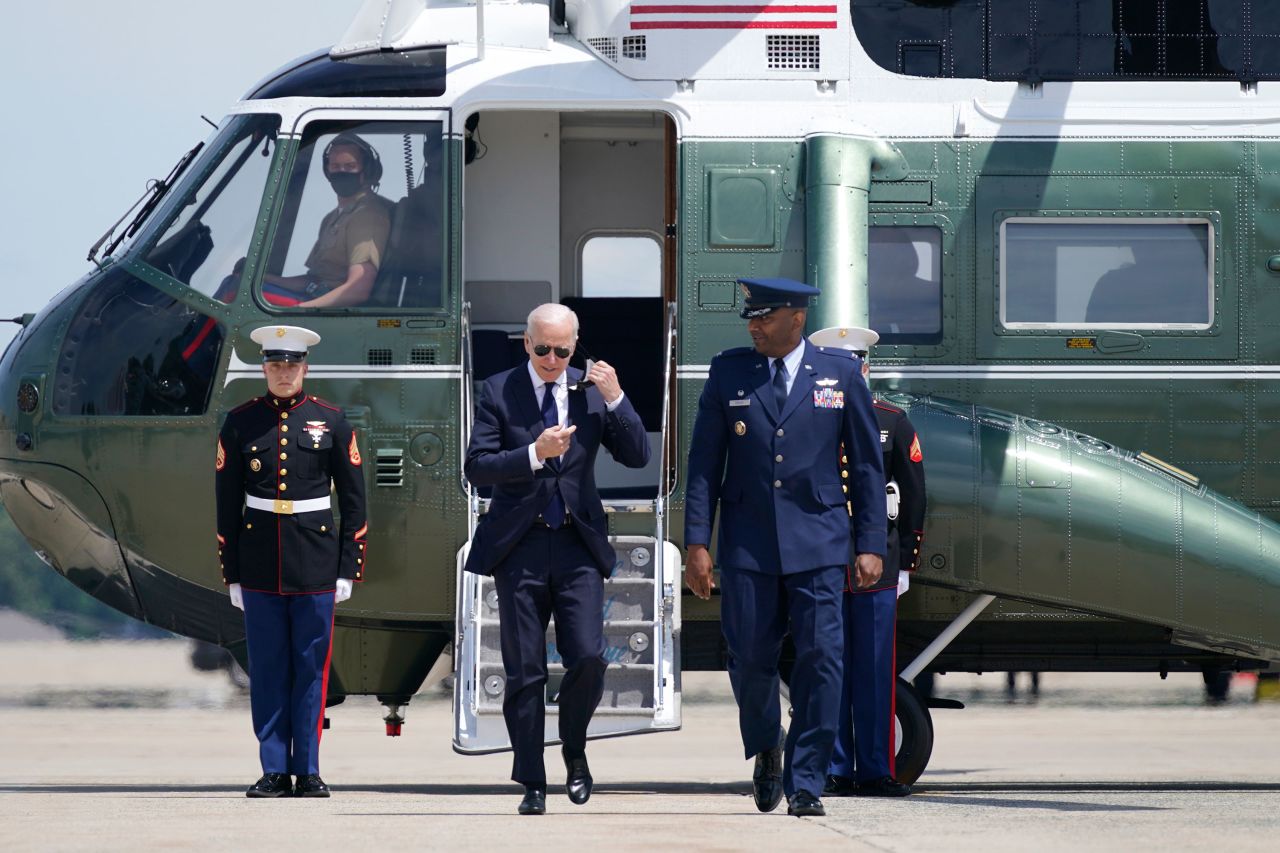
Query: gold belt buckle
284	507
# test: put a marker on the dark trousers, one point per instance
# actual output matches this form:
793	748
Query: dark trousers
549	572
290	640
867	701
755	613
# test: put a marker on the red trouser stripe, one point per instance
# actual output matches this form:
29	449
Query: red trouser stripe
324	682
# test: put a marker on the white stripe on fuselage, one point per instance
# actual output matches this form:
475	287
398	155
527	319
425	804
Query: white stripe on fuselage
1051	371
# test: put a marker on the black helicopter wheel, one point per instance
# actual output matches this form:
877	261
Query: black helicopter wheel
912	733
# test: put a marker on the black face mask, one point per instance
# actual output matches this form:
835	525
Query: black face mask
345	184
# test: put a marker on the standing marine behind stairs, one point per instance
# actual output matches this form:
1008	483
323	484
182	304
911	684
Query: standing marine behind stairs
285	560
862	761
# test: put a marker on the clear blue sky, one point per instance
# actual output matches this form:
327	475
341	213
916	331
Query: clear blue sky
103	96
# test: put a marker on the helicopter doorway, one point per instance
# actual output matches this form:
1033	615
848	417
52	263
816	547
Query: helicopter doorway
576	208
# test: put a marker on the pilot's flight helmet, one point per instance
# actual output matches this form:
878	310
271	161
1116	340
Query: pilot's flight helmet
369	158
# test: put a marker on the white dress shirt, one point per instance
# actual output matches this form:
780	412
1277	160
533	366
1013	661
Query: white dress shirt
792	361
561	392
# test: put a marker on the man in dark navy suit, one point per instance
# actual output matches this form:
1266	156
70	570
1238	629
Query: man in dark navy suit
773	421
285	561
545	539
862	762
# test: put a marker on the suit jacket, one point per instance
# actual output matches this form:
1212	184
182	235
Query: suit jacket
292	449
508	420
776	475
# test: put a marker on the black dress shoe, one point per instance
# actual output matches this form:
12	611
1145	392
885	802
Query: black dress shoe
766	780
839	786
578	783
535	800
271	785
885	786
804	804
311	785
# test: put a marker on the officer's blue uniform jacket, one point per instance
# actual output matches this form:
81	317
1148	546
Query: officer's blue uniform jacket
744	449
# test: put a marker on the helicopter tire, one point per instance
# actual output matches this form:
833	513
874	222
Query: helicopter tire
913	733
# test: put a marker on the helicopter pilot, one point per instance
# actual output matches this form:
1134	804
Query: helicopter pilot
284	559
343	263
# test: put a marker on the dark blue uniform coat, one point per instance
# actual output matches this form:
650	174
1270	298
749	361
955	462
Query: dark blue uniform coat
786	536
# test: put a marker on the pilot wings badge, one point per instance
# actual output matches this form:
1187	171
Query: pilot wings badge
827	383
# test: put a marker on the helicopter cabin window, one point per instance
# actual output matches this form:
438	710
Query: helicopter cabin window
1036	40
621	265
362	224
131	350
1108	274
904	281
213	216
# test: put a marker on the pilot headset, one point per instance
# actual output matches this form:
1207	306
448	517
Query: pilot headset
371	163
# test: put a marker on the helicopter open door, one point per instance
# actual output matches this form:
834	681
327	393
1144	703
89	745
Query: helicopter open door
641	610
578	207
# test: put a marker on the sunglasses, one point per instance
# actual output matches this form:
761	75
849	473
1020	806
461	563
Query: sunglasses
542	349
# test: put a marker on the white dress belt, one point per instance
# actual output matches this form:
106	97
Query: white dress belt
281	507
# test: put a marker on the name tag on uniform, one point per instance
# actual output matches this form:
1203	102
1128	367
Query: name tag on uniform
828	398
739	402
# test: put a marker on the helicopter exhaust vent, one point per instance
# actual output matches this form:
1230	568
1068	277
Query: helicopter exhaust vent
606	47
422	355
634	47
379	357
792	53
389	470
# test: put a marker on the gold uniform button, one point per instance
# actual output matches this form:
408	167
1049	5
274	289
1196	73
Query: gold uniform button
284	455
284	415
249	526
358	560
254	449
284	427
284	471
324	528
284	486
844	475
284	441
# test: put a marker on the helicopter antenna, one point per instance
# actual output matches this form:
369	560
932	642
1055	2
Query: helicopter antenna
209	121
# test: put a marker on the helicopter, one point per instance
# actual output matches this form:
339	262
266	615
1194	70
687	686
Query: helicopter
1060	218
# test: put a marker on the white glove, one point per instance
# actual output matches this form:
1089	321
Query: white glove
237	597
904	582
343	590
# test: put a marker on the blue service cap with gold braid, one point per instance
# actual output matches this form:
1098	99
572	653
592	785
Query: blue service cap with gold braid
284	343
763	295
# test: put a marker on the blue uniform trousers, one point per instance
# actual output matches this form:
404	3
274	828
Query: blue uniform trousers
867	700
755	610
549	572
290	641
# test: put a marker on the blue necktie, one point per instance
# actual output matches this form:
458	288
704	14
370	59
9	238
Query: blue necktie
779	384
553	512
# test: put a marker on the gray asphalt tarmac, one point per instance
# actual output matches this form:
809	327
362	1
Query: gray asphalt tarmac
123	746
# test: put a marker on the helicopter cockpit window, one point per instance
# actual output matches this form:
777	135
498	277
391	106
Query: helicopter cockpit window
1109	274
213	216
363	219
133	350
904	283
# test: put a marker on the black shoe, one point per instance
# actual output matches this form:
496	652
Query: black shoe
839	786
885	786
578	783
535	800
271	785
311	785
804	804
766	780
